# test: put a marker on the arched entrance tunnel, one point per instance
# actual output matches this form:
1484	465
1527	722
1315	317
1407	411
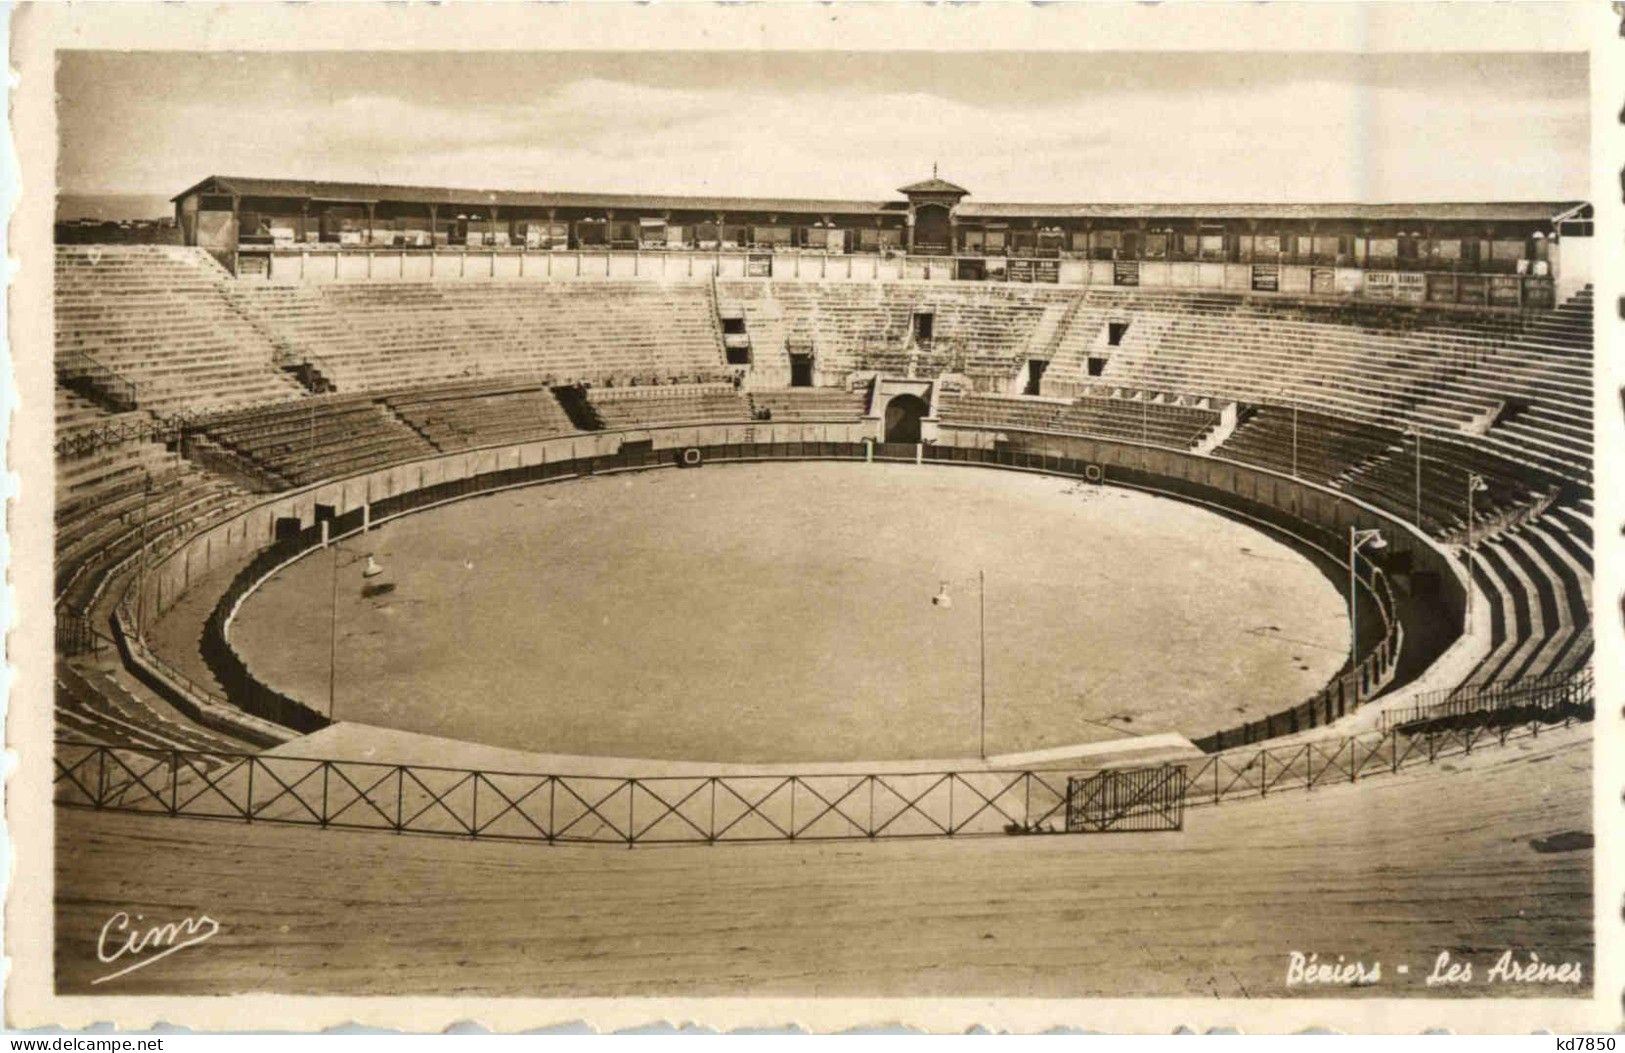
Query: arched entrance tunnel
903	416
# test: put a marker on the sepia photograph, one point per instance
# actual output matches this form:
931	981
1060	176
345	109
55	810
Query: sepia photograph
635	520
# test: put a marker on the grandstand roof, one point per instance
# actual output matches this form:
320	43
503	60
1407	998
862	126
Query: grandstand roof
933	186
363	193
1488	211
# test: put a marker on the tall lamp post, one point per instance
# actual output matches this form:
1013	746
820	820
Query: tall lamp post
1415	432
141	558
333	611
1475	485
944	601
981	661
1294	440
1358	539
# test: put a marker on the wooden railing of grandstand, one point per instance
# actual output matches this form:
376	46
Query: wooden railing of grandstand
113	432
1570	693
1254	772
1481	289
80	372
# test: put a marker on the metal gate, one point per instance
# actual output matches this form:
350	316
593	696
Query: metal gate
1126	799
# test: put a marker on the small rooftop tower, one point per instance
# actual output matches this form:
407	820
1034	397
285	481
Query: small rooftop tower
931	206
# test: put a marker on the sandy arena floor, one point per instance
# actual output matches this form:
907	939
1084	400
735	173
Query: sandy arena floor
784	612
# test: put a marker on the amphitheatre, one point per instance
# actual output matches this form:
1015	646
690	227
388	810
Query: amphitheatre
415	538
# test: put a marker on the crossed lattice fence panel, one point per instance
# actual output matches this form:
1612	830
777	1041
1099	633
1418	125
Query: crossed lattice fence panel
588	809
1238	774
557	808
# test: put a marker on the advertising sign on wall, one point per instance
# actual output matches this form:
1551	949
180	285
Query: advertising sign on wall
1410	287
1126	272
1471	288
1505	289
1020	270
1322	280
1538	293
970	269
1047	271
1266	277
1441	288
759	265
1379	285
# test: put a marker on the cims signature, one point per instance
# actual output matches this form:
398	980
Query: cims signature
138	945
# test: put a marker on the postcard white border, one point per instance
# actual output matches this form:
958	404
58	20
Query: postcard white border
40	30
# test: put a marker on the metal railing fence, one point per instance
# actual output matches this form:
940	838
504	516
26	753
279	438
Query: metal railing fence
615	810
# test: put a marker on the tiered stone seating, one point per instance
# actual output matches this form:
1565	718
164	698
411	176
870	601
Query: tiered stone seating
808	404
1389	482
1326	447
158	316
1155	421
1138	420
669	404
318	438
1378	465
999	411
75	416
93	706
82	427
107	500
380	335
1536	579
980	331
1444	371
429	367
484	414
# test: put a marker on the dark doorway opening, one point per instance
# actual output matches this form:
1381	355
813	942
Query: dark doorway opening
735	341
903	416
1097	365
801	371
1035	375
931	230
925	324
1115	331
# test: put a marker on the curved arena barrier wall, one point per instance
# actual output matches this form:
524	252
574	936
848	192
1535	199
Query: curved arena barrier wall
1291	506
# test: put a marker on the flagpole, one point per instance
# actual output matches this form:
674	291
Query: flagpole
981	595
333	633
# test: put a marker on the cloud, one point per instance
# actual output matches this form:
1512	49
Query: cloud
1227	128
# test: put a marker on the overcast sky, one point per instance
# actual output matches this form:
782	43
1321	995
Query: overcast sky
1010	127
